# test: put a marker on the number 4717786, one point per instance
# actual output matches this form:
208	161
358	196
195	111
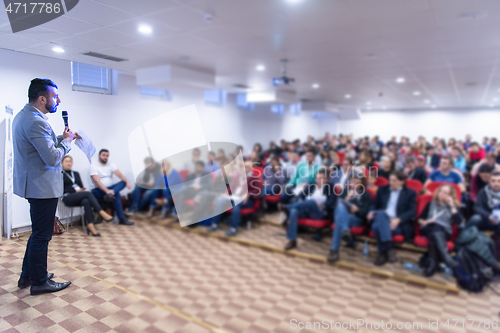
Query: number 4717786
31	8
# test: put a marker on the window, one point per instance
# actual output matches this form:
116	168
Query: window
90	78
278	109
295	109
241	102
156	93
216	97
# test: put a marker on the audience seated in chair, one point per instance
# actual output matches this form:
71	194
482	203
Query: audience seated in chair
274	178
254	188
304	174
144	192
191	165
387	166
432	158
170	177
353	206
393	213
340	176
487	208
319	200
102	173
412	171
75	195
480	180
446	174
436	222
490	159
459	160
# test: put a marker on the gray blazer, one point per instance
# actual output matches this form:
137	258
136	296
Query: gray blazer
37	156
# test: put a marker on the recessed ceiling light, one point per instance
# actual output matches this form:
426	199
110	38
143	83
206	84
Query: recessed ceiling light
495	99
472	15
315	86
368	103
293	1
58	49
400	80
491	105
260	68
384	107
145	29
427	101
416	93
347	96
433	106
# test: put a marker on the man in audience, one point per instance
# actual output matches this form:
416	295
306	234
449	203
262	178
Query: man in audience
480	180
191	165
102	174
422	163
318	204
291	166
393	212
340	176
353	205
446	174
432	159
487	207
195	183
490	159
145	187
413	171
492	145
476	153
254	185
212	164
467	142
304	174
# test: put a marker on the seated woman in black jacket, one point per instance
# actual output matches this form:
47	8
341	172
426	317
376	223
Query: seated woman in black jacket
436	223
352	209
75	195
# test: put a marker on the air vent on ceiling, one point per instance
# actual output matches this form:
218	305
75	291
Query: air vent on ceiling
241	86
104	56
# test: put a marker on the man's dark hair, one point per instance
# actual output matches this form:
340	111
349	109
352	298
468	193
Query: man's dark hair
400	175
311	150
324	172
104	150
486	168
200	163
349	159
447	158
409	159
495	174
38	87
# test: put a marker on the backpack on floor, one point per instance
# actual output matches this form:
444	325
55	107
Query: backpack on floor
472	272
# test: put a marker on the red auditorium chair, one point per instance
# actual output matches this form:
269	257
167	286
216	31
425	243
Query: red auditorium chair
373	194
422	241
395	238
183	174
381	181
341	156
357	231
415	185
433	186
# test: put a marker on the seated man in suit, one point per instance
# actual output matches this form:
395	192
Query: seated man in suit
318	205
254	185
393	212
412	171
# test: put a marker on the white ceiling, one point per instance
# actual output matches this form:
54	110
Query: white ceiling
355	47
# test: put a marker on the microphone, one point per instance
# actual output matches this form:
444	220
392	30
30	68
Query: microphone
65	118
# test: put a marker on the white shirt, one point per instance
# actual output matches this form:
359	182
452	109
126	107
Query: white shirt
392	204
318	196
105	172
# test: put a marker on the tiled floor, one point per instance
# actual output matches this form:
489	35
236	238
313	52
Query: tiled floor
150	278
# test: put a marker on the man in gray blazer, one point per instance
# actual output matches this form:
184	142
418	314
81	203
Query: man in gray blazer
38	178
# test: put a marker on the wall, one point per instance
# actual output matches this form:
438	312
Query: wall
444	124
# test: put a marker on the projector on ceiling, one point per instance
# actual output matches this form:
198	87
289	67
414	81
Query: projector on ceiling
283	80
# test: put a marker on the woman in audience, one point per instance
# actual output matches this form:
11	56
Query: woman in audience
451	143
326	158
436	223
365	159
75	195
274	178
259	153
170	177
441	148
459	161
352	208
349	151
386	167
221	157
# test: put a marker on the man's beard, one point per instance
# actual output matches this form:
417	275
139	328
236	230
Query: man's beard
102	161
51	108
